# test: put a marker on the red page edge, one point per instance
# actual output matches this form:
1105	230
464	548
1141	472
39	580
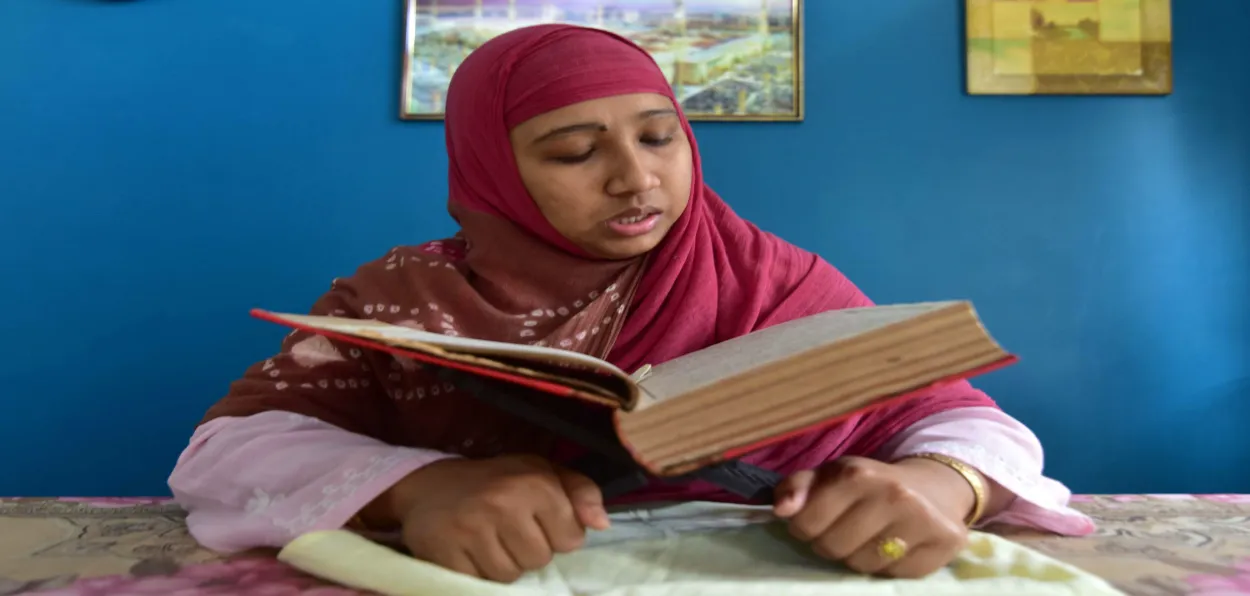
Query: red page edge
745	449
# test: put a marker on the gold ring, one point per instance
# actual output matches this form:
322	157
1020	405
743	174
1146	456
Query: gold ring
892	548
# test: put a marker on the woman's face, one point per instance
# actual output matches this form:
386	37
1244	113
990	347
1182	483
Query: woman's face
612	175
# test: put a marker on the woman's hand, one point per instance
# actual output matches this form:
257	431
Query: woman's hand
496	518
901	520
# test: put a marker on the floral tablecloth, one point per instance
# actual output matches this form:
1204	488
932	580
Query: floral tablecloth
1145	545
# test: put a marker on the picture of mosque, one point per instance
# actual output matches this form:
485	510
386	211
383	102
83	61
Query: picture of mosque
726	59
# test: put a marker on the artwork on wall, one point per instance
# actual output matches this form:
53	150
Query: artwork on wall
726	59
1069	47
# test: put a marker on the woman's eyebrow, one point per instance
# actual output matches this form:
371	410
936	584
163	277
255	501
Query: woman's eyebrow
579	127
598	126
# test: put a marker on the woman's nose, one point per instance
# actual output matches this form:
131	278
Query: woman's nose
632	176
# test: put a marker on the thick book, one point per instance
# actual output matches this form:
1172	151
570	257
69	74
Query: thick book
721	402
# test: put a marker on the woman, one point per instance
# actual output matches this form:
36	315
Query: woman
585	225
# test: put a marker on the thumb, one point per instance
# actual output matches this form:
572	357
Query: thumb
586	498
791	494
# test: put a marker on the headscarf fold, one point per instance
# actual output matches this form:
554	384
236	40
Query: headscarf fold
508	275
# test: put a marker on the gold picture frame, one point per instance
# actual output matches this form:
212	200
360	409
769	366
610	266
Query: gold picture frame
722	61
1069	47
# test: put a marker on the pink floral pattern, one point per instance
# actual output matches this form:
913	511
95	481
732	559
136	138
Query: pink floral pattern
1223	585
239	577
1225	498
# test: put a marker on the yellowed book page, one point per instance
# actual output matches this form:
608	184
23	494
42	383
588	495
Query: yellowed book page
774	344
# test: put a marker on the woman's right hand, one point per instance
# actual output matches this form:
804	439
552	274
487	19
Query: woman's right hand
496	518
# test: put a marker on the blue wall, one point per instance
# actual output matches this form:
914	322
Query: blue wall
166	165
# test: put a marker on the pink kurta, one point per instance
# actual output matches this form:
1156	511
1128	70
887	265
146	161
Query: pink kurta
262	480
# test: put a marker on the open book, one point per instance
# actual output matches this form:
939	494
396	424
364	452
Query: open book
729	399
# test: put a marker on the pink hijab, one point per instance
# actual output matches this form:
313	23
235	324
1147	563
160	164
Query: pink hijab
510	276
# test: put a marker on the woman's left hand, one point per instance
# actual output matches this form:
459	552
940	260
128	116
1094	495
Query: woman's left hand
874	516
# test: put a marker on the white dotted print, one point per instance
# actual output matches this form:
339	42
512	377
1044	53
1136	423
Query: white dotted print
551	313
615	297
280	385
273	373
315	351
536	313
581	335
562	311
531	323
414	311
354	352
527	333
324	384
594	330
268	364
393	309
447	317
432	306
340	383
578	304
564	343
352	383
368	309
306	385
364	382
411	324
611	288
420	393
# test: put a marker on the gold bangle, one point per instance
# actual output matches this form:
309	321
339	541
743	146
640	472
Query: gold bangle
971	475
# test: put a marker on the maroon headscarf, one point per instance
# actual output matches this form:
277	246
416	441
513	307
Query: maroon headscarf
510	276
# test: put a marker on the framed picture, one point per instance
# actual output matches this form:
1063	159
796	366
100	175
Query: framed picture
726	59
1069	47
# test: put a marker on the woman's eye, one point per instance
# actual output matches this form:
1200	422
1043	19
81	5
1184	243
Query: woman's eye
657	141
573	159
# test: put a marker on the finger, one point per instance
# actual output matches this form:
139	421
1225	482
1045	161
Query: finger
526	543
458	561
869	557
492	560
586	498
855	529
921	561
564	532
826	502
792	493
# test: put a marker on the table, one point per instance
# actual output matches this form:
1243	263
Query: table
1150	545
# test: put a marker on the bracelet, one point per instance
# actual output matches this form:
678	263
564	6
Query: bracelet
971	475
